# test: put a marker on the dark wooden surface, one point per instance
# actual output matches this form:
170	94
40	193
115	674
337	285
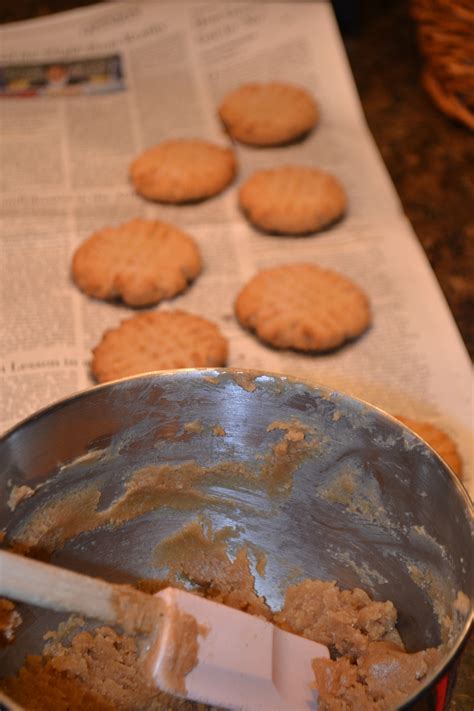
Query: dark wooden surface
430	159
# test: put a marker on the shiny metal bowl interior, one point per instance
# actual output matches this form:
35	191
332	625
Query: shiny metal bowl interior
426	518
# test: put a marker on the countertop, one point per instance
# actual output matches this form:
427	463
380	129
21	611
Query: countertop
429	158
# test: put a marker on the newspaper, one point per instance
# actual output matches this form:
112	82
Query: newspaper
82	93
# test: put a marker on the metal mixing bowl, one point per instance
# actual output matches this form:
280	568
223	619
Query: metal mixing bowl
416	513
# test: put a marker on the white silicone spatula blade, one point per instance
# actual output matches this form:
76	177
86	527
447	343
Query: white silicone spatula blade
244	662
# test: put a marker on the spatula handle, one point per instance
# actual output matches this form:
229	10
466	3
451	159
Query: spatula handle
63	590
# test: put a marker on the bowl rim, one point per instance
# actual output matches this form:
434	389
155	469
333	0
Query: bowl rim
252	373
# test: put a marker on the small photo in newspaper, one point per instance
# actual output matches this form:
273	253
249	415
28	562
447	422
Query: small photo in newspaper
98	75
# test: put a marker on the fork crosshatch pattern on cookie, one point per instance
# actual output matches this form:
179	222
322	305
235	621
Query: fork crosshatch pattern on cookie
183	170
304	307
163	340
269	114
292	200
140	262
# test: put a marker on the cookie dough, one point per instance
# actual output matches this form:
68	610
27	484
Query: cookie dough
97	671
100	670
10	619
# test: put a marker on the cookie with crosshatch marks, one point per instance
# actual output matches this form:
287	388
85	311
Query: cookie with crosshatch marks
141	262
183	170
436	438
304	307
269	114
292	199
158	340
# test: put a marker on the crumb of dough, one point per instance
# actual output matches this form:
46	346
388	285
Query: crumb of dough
295	430
245	380
462	603
194	426
218	431
18	494
297	442
64	631
10	619
346	621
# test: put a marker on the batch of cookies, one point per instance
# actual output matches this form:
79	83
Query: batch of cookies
144	262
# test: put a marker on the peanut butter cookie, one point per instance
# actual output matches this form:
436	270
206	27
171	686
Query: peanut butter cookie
304	307
161	340
183	170
268	114
141	262
439	440
292	199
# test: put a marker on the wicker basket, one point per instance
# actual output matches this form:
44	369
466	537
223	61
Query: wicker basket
446	39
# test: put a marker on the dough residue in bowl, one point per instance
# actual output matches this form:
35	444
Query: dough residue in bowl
100	669
182	486
10	619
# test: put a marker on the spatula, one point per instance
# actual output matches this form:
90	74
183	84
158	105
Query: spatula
242	661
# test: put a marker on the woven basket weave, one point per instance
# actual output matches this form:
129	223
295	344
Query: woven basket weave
445	31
